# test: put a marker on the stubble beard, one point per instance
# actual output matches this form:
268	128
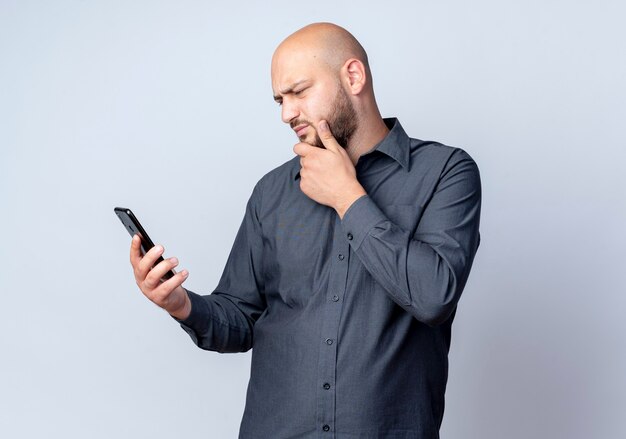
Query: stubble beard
342	121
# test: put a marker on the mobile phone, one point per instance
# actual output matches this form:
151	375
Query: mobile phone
131	223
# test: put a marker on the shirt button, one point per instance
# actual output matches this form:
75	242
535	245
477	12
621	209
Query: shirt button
326	386
340	257
335	298
326	427
350	236
329	341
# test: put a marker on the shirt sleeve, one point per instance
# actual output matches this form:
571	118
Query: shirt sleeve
424	272
224	320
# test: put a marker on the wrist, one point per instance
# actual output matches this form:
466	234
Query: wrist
182	312
343	205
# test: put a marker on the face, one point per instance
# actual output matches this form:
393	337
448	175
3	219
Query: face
309	92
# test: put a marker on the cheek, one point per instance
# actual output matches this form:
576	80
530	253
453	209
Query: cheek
316	108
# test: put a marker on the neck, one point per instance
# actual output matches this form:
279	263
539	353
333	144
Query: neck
369	134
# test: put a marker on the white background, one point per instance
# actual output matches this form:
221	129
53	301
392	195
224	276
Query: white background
166	108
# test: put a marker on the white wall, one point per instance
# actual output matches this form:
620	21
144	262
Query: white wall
165	107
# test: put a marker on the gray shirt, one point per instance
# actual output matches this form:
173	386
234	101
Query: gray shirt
348	320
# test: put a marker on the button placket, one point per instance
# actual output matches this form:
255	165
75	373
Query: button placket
330	318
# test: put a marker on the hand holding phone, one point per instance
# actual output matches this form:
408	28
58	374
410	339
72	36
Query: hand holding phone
154	275
132	225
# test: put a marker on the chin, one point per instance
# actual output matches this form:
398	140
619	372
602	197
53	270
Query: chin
311	139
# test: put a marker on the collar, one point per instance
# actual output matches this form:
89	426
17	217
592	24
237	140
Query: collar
396	144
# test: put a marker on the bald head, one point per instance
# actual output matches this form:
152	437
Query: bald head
326	42
321	72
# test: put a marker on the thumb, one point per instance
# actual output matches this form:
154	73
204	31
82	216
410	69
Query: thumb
323	130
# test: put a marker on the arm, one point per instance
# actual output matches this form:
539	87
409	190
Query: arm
424	273
224	320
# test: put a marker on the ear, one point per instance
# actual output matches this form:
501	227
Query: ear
356	75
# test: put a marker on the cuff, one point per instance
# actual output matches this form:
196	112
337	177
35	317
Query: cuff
359	219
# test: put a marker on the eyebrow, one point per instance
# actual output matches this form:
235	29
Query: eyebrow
289	89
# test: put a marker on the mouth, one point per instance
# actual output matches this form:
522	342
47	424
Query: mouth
300	129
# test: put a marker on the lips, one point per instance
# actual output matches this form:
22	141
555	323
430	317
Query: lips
300	129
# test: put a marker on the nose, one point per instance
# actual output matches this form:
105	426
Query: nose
288	110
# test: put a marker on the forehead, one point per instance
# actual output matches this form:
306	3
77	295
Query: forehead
291	65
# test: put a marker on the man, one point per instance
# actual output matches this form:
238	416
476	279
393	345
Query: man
347	268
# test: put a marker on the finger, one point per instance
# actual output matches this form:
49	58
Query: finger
147	262
162	295
323	131
135	251
153	279
303	149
